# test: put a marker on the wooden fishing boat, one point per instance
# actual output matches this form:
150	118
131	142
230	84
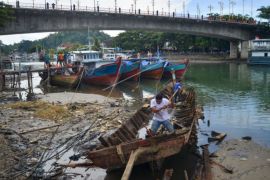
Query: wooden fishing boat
107	74
63	76
70	80
179	69
152	69
130	70
117	147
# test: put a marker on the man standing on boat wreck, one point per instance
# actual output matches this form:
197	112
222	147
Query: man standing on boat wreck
159	106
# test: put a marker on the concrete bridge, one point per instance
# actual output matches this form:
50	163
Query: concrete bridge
48	20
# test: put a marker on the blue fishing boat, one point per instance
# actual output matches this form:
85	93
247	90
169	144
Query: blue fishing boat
152	68
179	69
107	74
130	70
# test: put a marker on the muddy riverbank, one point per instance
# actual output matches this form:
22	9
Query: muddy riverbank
22	141
247	159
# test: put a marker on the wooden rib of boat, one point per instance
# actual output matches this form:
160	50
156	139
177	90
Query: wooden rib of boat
118	146
107	74
179	69
130	70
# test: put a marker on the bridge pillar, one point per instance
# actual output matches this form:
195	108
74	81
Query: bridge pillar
244	49
233	49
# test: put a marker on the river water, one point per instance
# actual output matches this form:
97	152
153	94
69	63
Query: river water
235	98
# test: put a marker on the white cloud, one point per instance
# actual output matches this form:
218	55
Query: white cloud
11	39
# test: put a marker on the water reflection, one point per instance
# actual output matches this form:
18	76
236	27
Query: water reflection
235	98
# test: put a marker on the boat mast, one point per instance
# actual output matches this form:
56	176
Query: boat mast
89	43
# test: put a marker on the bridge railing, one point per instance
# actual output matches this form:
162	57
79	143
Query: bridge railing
138	12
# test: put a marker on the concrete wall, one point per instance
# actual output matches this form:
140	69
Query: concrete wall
29	21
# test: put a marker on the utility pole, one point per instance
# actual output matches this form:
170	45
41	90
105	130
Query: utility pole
221	6
56	3
198	10
210	8
135	5
94	5
78	4
251	8
229	7
153	4
132	8
169	6
243	7
232	4
33	3
115	5
184	7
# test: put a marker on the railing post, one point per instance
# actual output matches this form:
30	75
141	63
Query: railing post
97	8
157	13
139	11
119	10
173	14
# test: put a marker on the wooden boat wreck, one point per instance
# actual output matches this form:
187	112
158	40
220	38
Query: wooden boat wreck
63	76
122	148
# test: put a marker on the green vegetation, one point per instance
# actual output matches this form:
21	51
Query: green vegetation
265	13
6	13
75	39
146	40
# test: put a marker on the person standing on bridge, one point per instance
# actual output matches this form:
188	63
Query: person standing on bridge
159	106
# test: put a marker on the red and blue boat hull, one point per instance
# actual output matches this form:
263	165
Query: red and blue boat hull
130	70
179	70
153	71
107	74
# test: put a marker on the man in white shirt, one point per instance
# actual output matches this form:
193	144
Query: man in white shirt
159	107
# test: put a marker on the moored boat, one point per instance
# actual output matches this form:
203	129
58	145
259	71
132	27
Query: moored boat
130	70
179	69
259	53
152	69
67	80
107	74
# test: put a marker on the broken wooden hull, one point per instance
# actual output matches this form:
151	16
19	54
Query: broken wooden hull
155	148
118	146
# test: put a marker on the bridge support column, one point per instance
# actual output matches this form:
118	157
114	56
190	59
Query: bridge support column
233	49
244	49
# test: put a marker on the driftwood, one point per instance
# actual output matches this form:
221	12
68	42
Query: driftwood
39	129
217	136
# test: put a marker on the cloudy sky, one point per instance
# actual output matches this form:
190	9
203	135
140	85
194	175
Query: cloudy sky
191	6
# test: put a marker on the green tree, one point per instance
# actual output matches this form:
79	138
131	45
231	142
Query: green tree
6	13
96	45
264	13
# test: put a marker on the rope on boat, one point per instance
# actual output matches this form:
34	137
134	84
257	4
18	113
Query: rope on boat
125	79
116	79
78	85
